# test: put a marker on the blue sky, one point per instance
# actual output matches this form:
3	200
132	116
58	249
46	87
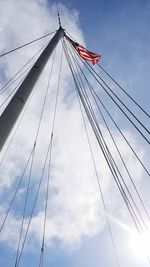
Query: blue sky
119	31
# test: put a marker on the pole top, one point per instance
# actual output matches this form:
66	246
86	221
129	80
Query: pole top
61	29
58	15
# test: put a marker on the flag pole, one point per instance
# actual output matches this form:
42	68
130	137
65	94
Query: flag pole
15	106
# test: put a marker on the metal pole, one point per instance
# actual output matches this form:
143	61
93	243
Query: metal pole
15	106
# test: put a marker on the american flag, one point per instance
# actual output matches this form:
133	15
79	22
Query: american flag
84	53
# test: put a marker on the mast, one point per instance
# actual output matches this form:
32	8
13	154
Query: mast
15	106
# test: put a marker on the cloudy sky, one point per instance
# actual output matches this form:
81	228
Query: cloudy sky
76	229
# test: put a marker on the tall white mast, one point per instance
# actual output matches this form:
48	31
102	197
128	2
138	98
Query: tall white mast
15	106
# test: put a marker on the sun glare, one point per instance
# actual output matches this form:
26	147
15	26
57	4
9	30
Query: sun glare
140	245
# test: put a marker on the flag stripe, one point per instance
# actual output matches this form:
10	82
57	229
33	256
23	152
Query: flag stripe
84	53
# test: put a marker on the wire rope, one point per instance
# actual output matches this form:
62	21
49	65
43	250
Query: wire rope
49	167
8	83
110	162
26	44
145	128
21	178
125	199
111	135
15	193
131	98
135	102
98	182
25	73
42	175
25	205
119	185
126	140
93	72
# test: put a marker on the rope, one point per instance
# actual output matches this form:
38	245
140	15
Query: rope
140	161
142	164
109	159
100	189
4	87
19	83
15	89
20	181
93	72
15	193
26	44
120	107
91	152
120	100
33	207
49	167
19	122
44	166
135	126
25	205
98	182
111	135
135	102
120	173
27	192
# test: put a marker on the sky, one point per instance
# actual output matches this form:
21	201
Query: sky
76	230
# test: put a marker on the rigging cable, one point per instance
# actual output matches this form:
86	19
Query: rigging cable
110	133
19	122
115	166
15	89
31	156
131	121
120	107
25	205
34	146
119	99
93	72
21	178
128	191
99	186
25	73
15	193
110	116
106	155
33	207
36	196
26	44
92	120
136	155
110	162
131	98
49	166
135	102
76	85
98	182
4	87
